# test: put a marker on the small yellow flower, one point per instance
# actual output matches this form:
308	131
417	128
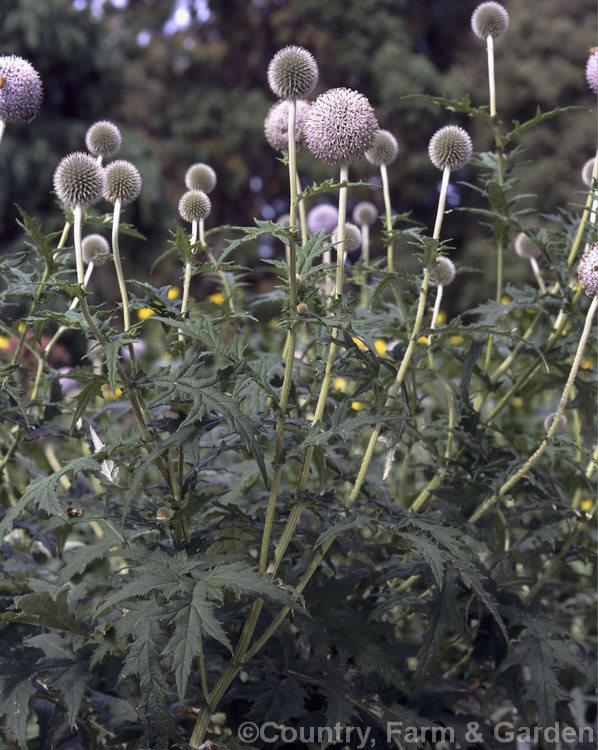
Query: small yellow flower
21	327
359	343
340	384
422	340
505	300
174	293
357	405
109	394
217	298
518	402
144	313
4	342
575	287
380	347
564	332
441	318
456	340
586	364
586	505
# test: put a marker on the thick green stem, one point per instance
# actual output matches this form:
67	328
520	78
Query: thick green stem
491	81
118	266
187	279
388	212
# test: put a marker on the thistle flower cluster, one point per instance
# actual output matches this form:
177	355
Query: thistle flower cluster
443	273
352	237
592	70
20	90
79	180
123	182
292	73
450	147
323	216
341	126
95	249
365	213
276	124
489	19
587	271
525	248
103	138
200	176
194	206
587	171
384	150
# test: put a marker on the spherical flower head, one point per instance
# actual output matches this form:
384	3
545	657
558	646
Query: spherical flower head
103	138
95	248
352	238
292	73
341	126
200	177
365	213
561	427
525	248
323	216
123	182
384	149
443	273
20	90
489	19
587	271
587	170
450	147
276	124
592	70
285	221
79	180
194	205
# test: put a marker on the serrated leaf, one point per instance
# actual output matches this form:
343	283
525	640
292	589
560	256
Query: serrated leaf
538	118
44	611
83	556
38	240
16	689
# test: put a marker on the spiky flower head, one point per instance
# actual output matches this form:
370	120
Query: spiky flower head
276	124
20	90
194	206
587	171
123	182
443	273
292	73
384	149
352	238
285	221
79	180
561	427
341	126
592	70
489	19
95	248
525	248
450	147
200	177
103	138
324	216
587	271
365	213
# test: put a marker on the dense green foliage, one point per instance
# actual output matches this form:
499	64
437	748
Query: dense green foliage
444	578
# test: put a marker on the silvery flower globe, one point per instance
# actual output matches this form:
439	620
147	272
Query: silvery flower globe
95	248
103	138
384	150
365	213
200	176
341	126
587	271
194	206
20	90
79	180
324	216
443	273
525	248
489	19
292	73
123	182
352	238
450	147
276	124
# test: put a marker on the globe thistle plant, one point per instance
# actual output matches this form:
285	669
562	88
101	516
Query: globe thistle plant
103	139
79	181
561	427
20	91
194	207
450	149
276	125
384	151
441	275
526	248
352	237
200	177
323	216
292	73
95	249
587	171
123	185
489	21
364	215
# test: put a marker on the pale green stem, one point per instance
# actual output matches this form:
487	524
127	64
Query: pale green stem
387	209
446	176
302	215
536	269
365	251
187	279
77	215
435	312
2	129
491	82
558	414
118	266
